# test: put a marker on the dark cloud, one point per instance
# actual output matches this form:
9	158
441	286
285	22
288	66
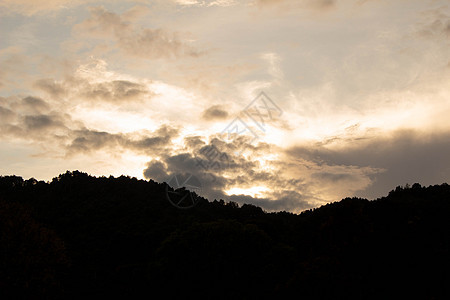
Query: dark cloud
149	142
40	122
30	118
209	173
156	170
36	104
26	105
181	164
86	140
136	41
115	91
194	142
160	139
215	112
406	157
219	168
90	140
334	177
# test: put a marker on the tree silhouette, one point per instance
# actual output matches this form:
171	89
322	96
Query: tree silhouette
80	235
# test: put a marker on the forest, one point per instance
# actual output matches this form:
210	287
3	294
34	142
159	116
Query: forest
80	236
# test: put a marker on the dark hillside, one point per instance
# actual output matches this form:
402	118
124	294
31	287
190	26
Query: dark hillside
82	236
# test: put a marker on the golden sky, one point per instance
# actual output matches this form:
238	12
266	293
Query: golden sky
326	98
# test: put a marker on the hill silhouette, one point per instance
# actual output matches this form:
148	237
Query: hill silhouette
83	236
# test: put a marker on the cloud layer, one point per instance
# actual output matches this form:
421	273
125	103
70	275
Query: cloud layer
148	43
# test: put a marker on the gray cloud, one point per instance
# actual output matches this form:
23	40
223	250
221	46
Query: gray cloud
160	139
407	157
194	142
91	140
333	177
86	140
40	122
30	118
156	170
180	165
215	112
219	168
29	105
114	91
136	41
36	104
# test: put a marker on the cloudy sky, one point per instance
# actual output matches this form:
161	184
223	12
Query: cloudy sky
287	104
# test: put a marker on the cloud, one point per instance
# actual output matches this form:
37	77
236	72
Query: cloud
317	5
406	156
334	177
42	122
273	60
159	140
6	115
136	41
80	88
215	112
223	166
31	7
91	140
289	200
114	91
13	62
354	76
219	169
86	140
208	3
28	105
157	171
435	23
35	104
31	118
51	87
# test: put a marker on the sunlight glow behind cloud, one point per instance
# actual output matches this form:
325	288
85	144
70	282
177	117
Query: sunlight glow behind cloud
255	192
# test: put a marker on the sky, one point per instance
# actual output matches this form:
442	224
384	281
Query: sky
284	104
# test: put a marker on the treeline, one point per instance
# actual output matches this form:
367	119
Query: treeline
83	236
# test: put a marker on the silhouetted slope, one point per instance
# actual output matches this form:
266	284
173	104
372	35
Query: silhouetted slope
120	236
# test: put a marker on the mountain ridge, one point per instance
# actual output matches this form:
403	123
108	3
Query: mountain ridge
120	236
